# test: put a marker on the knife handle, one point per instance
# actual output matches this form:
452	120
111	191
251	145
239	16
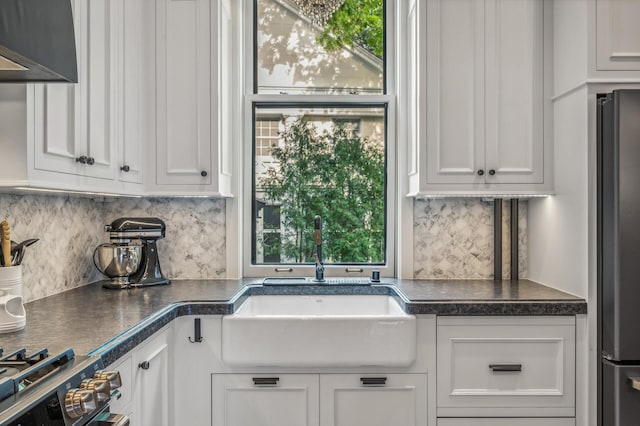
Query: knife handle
6	242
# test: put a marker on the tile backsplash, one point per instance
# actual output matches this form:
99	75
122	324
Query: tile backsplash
194	245
453	237
70	228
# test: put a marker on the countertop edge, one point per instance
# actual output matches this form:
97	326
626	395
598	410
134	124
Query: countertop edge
118	346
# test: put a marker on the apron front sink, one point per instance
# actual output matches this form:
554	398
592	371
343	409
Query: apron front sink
319	331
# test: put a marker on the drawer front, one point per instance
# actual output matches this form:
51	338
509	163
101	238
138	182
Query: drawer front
521	367
508	422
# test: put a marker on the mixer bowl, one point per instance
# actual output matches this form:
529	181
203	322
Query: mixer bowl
116	261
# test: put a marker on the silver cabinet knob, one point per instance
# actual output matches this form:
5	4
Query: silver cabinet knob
78	402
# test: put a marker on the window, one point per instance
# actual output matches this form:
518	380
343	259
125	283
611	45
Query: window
320	114
267	136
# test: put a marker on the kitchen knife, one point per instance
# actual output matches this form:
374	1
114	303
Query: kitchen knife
5	240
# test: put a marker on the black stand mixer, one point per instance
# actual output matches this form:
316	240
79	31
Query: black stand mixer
144	232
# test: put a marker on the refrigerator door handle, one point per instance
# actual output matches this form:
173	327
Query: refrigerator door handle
635	382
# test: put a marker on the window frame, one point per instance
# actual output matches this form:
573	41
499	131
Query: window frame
251	99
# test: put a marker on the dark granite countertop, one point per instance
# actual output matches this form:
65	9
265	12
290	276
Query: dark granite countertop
91	319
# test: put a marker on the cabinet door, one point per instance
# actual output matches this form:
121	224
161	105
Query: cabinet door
183	116
265	400
617	35
72	121
514	91
130	34
57	137
455	91
152	380
56	130
380	400
97	98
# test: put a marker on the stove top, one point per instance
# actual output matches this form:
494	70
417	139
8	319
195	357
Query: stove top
60	389
20	370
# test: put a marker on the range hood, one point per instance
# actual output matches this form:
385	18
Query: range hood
37	41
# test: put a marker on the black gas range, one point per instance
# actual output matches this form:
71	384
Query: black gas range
62	389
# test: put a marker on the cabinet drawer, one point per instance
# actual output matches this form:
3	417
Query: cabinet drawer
508	422
506	366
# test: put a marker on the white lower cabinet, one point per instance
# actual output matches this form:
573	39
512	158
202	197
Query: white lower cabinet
147	382
152	379
373	400
325	399
265	400
507	422
506	367
470	371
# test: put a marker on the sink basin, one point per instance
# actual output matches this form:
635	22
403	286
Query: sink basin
319	331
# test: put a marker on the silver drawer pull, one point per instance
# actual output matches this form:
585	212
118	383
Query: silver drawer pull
505	367
635	382
373	381
266	381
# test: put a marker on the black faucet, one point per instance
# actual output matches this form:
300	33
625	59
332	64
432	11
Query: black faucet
317	236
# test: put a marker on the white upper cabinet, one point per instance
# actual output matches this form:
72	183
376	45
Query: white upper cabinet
595	42
81	136
72	132
455	90
183	103
152	112
514	92
194	45
130	36
478	75
617	35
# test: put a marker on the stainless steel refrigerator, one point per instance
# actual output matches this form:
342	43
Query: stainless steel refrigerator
619	257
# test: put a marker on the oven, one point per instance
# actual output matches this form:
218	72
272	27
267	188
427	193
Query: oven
56	390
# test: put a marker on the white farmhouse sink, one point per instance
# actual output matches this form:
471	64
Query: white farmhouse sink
319	331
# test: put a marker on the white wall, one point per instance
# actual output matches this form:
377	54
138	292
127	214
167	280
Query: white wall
559	232
559	225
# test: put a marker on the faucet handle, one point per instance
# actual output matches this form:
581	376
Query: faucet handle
317	230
